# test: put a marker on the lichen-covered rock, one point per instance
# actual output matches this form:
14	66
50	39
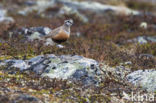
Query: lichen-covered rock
144	78
75	68
143	39
26	98
8	95
33	33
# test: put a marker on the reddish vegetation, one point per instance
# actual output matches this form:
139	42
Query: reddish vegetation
99	39
104	39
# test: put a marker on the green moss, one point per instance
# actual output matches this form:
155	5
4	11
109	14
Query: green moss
43	91
55	60
1	44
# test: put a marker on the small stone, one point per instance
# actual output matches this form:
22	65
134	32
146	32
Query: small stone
144	78
143	25
142	40
60	46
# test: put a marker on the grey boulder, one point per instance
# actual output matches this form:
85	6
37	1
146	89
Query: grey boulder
74	68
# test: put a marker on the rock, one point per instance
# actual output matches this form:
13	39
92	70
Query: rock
4	99
4	18
144	78
10	95
29	3
74	8
146	56
60	46
2	41
143	25
17	64
151	39
33	33
143	39
42	31
23	98
98	7
40	6
49	41
65	10
74	68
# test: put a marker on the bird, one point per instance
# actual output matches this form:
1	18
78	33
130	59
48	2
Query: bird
62	33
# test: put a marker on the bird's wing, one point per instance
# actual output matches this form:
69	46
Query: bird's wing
53	32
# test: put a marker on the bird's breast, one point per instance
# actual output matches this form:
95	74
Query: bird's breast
61	37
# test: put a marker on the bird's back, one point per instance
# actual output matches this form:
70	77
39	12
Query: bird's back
53	32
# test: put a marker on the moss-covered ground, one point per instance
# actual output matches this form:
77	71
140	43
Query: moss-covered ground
104	38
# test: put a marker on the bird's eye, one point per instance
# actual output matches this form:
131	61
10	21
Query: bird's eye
68	22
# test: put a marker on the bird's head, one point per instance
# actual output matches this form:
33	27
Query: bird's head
68	22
